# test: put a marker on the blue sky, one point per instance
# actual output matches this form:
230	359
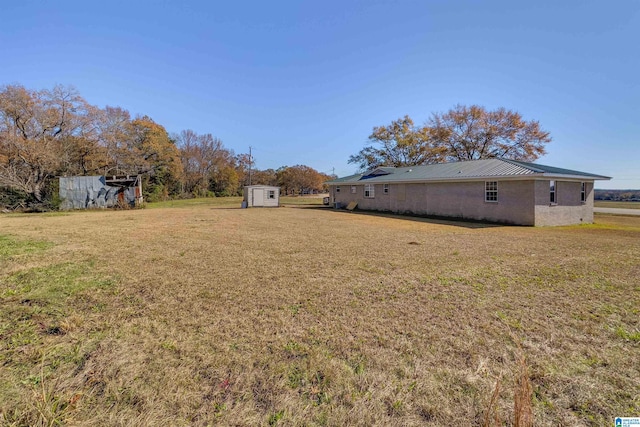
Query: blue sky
304	82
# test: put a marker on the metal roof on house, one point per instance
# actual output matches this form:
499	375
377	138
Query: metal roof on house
473	169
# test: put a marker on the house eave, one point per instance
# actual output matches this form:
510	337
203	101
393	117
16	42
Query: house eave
565	177
527	177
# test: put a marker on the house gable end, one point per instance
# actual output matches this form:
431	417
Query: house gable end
381	171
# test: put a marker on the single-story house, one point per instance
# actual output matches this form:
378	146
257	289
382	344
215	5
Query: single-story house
86	192
261	195
492	190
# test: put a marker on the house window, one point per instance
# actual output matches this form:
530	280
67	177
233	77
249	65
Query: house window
369	192
337	188
552	192
583	192
491	191
385	188
272	194
353	189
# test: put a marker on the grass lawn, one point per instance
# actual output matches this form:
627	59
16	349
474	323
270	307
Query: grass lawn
622	205
201	313
233	202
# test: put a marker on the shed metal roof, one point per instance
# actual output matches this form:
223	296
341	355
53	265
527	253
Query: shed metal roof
473	169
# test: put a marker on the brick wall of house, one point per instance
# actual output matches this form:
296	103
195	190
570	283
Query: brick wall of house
450	199
568	209
519	201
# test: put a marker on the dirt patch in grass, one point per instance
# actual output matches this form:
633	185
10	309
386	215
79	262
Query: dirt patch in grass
197	315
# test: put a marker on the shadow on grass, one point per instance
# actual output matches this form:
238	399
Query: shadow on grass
456	222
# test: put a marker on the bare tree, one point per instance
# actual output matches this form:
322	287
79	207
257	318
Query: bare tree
462	133
203	156
469	133
399	144
34	128
114	138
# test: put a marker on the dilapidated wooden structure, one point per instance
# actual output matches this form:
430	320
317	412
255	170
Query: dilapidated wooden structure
88	192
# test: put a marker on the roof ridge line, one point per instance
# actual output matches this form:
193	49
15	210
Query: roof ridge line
519	163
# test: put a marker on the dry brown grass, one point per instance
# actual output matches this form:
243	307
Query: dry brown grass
620	205
492	415
206	315
523	397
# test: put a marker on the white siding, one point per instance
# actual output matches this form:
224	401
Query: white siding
261	196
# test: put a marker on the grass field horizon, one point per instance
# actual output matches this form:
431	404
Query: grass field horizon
200	313
617	205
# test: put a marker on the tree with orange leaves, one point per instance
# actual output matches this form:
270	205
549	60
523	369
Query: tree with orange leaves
471	133
462	133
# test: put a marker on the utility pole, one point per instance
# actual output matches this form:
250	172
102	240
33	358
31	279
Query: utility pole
250	165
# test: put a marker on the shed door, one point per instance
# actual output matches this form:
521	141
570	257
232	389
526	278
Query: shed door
258	197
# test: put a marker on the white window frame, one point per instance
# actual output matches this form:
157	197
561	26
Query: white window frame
491	191
553	192
272	194
369	191
353	189
583	192
385	188
337	188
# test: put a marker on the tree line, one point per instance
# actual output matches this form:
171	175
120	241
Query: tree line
618	195
45	134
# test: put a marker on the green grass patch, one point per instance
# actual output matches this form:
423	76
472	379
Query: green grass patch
628	336
11	247
42	214
201	201
36	300
54	283
275	417
39	309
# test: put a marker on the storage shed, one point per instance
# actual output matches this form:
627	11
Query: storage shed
261	195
